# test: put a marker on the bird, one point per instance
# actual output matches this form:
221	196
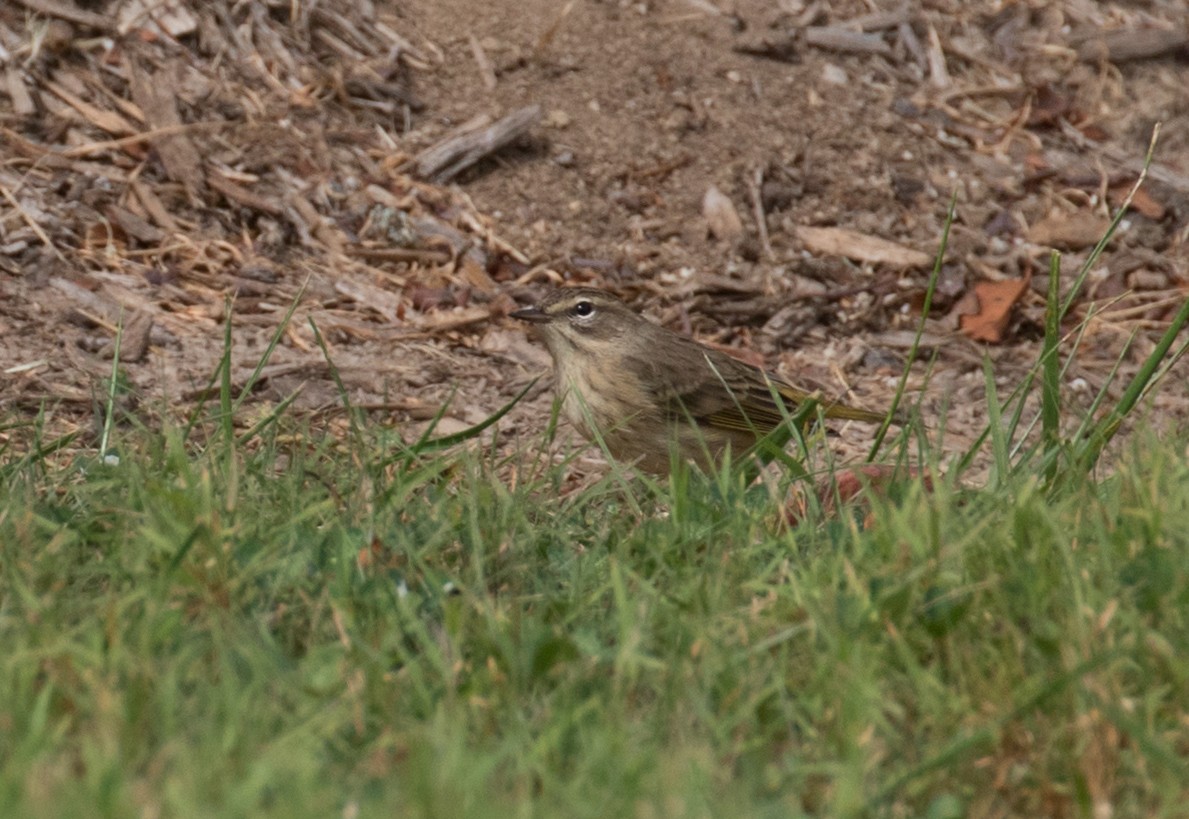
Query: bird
647	393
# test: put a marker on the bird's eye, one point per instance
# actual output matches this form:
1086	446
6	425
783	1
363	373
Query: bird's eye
583	309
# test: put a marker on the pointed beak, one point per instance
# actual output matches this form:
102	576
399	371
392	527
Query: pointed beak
532	314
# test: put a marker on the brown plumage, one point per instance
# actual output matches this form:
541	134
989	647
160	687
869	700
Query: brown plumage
644	390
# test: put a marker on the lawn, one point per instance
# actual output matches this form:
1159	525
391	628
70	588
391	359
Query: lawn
295	624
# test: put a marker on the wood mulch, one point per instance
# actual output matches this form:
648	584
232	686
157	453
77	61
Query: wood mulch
173	168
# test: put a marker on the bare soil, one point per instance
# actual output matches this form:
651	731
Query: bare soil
295	181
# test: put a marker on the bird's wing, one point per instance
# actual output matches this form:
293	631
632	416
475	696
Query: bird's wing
719	391
726	393
748	398
730	394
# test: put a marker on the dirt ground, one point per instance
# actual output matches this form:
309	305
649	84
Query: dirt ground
157	169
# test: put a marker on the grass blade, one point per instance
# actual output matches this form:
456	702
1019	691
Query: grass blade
447	441
1091	448
1050	395
109	410
913	351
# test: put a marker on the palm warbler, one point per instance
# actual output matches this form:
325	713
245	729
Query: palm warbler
646	391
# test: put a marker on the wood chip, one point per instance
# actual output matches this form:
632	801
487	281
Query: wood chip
94	307
1068	231
153	206
321	228
782	48
474	141
242	196
134	225
882	20
846	40
456	319
71	12
14	84
29	219
546	38
386	304
108	121
861	247
939	73
134	339
722	219
153	92
1135	44
170	17
913	44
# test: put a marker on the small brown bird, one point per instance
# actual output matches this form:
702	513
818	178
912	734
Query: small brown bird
647	392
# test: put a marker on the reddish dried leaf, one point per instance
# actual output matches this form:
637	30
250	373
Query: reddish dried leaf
847	487
378	555
995	301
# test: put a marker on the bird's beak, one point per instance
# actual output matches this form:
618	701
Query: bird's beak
532	314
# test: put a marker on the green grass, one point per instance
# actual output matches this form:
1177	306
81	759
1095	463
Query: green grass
190	632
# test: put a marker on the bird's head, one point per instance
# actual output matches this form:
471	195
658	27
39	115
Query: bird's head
580	319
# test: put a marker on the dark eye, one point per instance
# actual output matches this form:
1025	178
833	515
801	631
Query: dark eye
583	309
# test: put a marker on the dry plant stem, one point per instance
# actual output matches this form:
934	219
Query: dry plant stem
486	70
147	136
550	32
755	189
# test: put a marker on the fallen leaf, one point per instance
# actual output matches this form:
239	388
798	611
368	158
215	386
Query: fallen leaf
848	483
965	305
995	301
